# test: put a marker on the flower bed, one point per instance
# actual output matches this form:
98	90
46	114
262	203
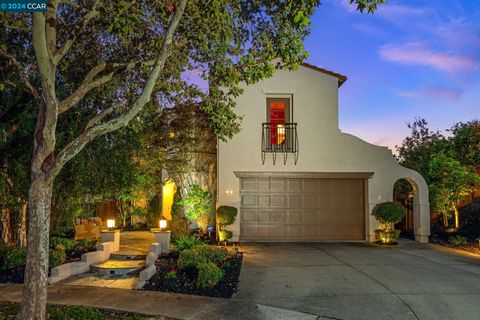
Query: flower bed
171	278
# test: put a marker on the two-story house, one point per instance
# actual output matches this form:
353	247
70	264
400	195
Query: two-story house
294	176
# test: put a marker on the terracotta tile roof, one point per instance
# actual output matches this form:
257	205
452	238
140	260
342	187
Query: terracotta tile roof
341	78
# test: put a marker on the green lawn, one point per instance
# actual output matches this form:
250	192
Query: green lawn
56	312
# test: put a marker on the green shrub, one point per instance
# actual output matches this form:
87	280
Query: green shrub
187	242
224	235
171	274
457	240
192	258
85	245
387	236
226	215
14	257
56	257
67	243
74	312
209	274
198	206
389	212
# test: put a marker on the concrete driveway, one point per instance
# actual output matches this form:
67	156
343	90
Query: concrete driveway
354	281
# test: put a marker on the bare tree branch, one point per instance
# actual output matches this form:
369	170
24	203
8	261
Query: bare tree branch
75	146
91	81
95	120
23	75
91	14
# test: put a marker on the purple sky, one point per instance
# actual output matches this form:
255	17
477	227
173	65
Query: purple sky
412	58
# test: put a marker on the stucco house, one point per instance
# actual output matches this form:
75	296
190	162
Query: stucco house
294	176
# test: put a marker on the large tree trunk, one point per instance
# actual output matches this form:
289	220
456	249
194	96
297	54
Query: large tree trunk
6	225
22	226
36	270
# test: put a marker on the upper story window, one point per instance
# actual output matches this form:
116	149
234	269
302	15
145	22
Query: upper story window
279	133
278	114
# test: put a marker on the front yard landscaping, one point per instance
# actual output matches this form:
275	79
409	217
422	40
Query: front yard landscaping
62	250
198	269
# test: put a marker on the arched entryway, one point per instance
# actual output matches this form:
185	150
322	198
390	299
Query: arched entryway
403	192
413	191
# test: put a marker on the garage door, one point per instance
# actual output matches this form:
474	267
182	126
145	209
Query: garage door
302	209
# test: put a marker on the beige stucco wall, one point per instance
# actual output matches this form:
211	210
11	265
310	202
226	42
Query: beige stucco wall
323	147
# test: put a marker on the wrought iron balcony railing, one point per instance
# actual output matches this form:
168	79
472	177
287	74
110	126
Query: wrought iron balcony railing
279	138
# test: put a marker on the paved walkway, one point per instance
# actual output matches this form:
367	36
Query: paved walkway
135	242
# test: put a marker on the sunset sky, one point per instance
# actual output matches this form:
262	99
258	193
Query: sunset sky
412	58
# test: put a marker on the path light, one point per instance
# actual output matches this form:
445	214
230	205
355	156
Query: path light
111	223
163	224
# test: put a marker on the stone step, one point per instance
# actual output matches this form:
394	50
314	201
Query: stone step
128	255
118	267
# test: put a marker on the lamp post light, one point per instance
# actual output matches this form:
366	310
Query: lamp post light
161	235
163	224
110	224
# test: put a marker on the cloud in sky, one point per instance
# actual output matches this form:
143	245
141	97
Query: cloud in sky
418	53
436	92
397	13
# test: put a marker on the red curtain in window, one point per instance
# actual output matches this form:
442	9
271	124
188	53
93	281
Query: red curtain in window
277	121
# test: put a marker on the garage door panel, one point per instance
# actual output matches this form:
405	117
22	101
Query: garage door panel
295	185
294	231
294	217
263	185
263	216
249	200
263	201
248	185
295	200
309	201
309	185
310	216
248	215
279	200
279	209
277	231
278	217
279	185
324	201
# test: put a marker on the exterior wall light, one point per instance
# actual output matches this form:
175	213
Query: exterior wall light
229	191
111	223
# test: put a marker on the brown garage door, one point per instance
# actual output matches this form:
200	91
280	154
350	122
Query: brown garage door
302	209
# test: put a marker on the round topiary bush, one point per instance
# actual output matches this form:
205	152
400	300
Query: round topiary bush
389	212
226	215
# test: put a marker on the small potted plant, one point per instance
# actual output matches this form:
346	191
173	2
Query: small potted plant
387	214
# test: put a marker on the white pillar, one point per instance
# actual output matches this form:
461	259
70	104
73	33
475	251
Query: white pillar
163	238
111	235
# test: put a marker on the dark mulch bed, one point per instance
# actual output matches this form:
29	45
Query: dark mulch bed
185	280
14	275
